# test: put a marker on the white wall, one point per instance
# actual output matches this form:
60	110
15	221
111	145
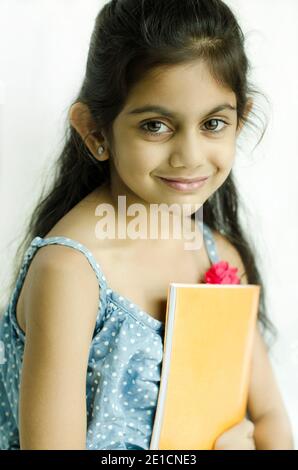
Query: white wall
43	47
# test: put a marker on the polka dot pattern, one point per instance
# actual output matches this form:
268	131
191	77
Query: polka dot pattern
210	244
124	364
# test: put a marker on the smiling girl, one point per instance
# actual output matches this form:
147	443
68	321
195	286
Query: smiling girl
163	101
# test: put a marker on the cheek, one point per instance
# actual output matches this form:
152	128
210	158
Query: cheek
224	157
138	161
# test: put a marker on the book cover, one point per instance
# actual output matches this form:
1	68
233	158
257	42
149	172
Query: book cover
209	333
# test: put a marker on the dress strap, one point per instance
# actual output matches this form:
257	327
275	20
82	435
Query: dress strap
38	242
35	244
210	244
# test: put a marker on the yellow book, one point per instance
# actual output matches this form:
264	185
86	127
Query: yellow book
209	333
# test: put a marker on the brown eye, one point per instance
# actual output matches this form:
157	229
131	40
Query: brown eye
214	125
152	123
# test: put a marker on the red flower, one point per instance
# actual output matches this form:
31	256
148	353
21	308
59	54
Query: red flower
222	273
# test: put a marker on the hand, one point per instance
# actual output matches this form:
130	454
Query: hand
239	437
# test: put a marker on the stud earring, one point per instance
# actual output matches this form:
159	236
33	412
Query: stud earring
100	149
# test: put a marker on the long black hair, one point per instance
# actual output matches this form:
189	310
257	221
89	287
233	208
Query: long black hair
131	37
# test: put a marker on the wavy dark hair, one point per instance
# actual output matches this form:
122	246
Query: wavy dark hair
130	38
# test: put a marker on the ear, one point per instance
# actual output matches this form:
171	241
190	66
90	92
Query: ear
248	107
83	122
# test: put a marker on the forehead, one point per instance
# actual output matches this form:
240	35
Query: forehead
187	88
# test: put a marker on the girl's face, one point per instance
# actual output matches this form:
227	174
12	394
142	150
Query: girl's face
191	140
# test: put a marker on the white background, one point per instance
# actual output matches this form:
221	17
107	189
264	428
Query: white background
43	48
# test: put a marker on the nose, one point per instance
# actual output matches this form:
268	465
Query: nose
189	151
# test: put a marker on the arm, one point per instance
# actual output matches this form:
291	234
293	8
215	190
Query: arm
273	432
265	404
61	301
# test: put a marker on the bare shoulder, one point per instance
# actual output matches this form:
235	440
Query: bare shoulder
62	278
228	252
60	257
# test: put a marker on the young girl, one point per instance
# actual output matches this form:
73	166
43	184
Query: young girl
82	353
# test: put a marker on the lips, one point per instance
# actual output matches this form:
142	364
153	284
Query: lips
185	180
185	184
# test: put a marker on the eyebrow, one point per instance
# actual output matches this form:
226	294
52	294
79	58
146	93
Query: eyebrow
168	113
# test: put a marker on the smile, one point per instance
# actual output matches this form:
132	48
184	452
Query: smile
183	186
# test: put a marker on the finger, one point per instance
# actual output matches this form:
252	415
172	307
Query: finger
251	428
251	444
248	426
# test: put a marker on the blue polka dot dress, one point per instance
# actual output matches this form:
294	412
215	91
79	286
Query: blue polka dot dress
124	364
